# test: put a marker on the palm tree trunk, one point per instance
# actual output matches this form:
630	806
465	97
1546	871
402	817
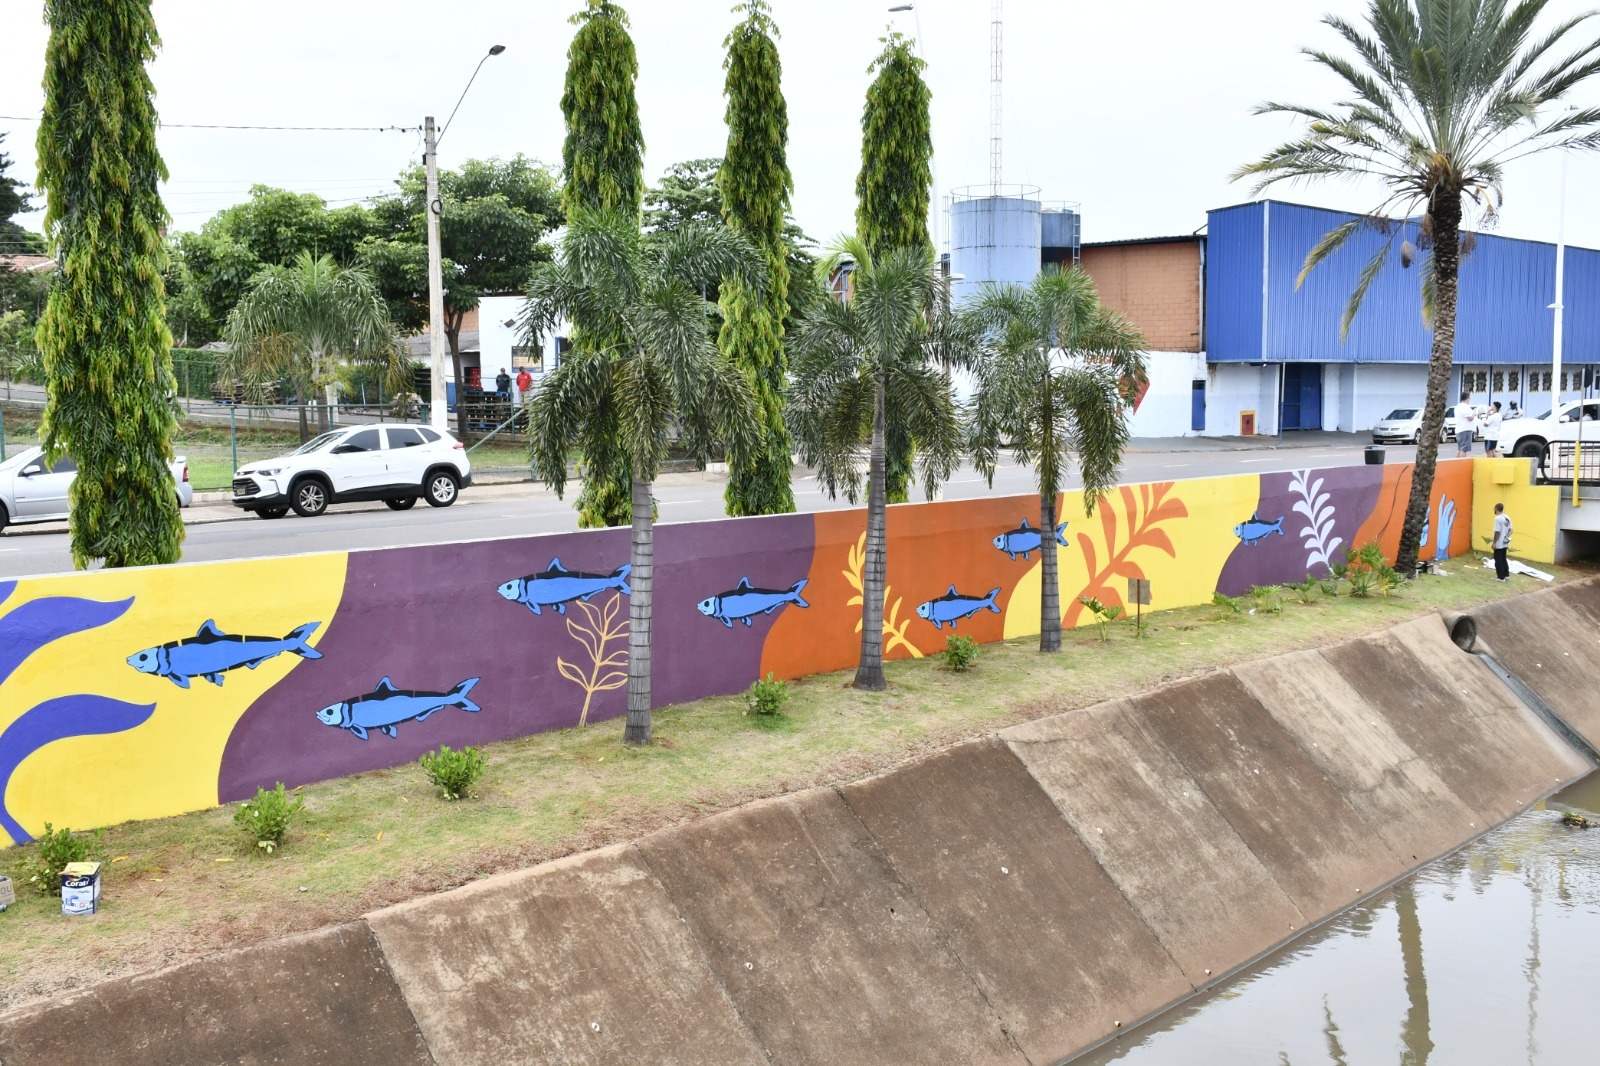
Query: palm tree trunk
1415	1032
642	557
1445	208
869	673
1050	593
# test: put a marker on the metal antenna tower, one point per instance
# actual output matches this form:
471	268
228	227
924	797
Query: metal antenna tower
996	57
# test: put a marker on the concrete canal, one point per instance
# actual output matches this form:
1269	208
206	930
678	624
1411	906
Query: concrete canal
1488	956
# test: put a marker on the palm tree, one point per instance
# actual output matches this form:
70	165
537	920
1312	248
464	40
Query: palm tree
660	369
298	321
863	364
1445	93
1059	380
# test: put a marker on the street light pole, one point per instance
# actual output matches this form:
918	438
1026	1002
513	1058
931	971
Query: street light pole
438	397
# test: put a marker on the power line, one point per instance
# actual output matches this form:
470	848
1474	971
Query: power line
229	126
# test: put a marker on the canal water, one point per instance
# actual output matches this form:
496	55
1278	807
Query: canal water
1487	957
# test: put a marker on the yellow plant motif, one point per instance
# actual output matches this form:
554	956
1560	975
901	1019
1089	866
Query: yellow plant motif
607	669
894	629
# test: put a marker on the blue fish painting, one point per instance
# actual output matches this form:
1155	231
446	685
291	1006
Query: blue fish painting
557	586
386	707
1025	539
952	607
1256	529
210	653
744	601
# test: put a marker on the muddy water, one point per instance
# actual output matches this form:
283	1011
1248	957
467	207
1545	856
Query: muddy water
1487	957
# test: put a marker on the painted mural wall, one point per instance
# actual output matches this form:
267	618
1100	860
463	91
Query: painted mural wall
144	693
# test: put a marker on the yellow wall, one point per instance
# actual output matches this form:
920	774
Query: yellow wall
1534	509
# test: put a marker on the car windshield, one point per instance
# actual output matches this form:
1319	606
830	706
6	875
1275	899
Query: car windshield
316	444
1545	415
1403	412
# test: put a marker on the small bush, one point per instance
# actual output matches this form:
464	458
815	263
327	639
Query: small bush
267	817
1307	590
1388	580
1267	600
56	848
960	653
1227	605
455	772
766	696
1330	585
1102	614
1362	582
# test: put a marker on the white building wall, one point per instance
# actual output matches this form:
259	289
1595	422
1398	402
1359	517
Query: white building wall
1234	388
1167	404
1381	387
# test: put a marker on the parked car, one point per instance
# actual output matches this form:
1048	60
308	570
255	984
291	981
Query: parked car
395	464
1403	425
32	490
1527	437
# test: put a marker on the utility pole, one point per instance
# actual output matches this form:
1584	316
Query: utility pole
438	398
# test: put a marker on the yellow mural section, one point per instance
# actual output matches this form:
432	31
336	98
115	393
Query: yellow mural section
1535	510
170	763
1178	535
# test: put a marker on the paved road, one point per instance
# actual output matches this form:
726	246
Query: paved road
487	512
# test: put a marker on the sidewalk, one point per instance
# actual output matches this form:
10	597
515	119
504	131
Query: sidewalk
1308	438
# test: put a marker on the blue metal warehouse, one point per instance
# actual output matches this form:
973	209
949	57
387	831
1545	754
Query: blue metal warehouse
1274	352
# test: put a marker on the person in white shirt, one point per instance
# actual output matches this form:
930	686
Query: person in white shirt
1501	542
1491	431
1466	424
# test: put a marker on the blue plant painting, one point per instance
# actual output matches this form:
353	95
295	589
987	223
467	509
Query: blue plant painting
1255	530
1447	526
210	653
1025	539
953	606
556	586
386	707
744	601
23	631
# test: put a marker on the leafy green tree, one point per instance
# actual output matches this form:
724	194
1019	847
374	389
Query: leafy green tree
1058	381
14	240
755	184
495	216
892	188
603	162
103	334
861	365
660	370
1443	94
303	322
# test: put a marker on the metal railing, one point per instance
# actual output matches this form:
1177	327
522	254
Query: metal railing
1568	461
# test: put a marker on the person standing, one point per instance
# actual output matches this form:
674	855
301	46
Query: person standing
502	383
524	384
1466	424
1491	431
1501	542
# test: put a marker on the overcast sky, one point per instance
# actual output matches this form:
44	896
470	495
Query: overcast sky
1137	109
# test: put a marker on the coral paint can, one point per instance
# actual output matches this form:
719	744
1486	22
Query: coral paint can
80	888
8	894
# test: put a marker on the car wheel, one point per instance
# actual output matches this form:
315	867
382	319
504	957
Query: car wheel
401	503
441	489
309	498
1529	449
4	518
272	512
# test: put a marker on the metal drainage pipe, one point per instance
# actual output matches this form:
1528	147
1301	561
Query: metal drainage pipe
1464	634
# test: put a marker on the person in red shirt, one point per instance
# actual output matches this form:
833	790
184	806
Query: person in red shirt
524	383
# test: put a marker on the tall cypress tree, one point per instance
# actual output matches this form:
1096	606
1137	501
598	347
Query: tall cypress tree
755	184
103	334
603	157
892	191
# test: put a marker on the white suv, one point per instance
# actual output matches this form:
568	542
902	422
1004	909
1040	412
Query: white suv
1527	438
395	464
32	490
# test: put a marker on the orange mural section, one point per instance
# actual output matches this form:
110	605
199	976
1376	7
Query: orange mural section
1451	499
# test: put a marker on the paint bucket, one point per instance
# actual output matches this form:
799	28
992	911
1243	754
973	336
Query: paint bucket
8	894
1374	455
80	888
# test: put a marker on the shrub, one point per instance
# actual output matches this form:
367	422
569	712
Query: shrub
1226	605
56	848
1103	615
455	772
1388	580
1362	582
960	653
766	696
267	817
1307	590
1266	599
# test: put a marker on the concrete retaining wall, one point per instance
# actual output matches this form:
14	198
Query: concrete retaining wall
1013	899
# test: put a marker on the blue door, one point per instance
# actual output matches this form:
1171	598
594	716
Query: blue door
1302	396
1197	407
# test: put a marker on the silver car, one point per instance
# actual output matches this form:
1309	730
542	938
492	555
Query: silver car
33	491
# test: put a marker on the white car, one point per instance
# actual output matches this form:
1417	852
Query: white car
1403	425
397	464
33	491
1527	438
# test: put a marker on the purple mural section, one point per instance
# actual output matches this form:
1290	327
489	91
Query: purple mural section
440	644
1305	520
